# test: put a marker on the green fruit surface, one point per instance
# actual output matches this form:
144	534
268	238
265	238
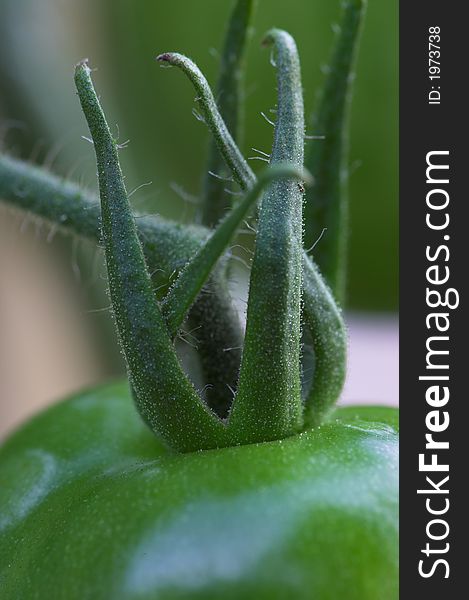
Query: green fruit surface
92	507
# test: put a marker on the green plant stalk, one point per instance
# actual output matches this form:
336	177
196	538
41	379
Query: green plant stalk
326	204
268	400
191	279
242	172
164	396
167	247
229	95
316	293
60	202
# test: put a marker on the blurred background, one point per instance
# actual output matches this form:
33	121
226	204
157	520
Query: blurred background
54	337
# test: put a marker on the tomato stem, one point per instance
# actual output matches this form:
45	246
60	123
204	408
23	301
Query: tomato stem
242	172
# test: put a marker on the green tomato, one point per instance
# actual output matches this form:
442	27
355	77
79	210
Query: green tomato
93	507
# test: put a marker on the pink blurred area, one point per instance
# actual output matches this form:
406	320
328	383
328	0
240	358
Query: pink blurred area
373	360
46	348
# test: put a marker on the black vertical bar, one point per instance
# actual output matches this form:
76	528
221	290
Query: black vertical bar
433	118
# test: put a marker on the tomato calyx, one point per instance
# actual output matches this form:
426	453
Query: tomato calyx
289	373
268	402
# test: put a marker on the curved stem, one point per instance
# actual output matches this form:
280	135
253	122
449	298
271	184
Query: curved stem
229	96
164	396
241	171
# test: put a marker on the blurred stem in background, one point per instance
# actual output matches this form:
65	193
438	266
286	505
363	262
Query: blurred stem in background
327	202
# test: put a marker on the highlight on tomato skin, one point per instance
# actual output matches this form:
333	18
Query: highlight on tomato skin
236	476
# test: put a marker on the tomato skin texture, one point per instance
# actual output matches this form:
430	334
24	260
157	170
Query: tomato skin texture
93	507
